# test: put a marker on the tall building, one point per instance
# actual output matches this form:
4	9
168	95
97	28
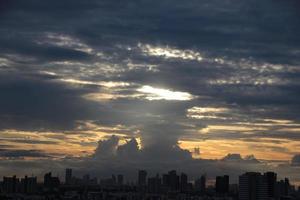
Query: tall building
183	182
200	184
203	184
253	186
51	182
271	179
120	179
86	179
222	184
68	177
10	184
154	184
174	181
142	177
28	185
282	188
165	180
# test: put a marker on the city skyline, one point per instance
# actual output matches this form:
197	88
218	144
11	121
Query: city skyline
170	185
106	86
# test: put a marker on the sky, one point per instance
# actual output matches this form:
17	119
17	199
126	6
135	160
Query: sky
116	85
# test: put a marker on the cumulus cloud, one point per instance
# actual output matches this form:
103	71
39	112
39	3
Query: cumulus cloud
206	70
158	152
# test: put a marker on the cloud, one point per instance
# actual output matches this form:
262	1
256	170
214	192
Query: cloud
161	70
295	160
238	158
107	148
7	153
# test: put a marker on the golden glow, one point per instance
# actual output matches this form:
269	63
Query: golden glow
164	94
206	112
107	84
214	128
262	148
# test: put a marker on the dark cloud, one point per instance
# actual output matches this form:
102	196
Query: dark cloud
8	153
295	160
36	104
249	64
238	158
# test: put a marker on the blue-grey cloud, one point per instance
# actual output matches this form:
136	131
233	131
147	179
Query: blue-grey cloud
55	58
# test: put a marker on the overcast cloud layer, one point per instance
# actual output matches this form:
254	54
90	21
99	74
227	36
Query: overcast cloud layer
178	79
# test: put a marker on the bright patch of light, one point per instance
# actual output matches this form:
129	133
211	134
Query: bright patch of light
67	41
206	112
4	62
164	94
168	52
107	84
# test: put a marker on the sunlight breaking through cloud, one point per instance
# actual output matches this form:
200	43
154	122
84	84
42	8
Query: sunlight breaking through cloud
169	52
164	94
206	112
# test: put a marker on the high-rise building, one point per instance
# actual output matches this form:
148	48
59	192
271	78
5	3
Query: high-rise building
120	179
282	188
200	184
154	184
142	177
68	177
28	185
174	181
10	184
86	179
271	179
203	184
222	184
253	186
51	182
183	182
165	180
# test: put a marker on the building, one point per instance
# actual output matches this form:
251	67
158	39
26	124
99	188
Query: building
282	188
183	182
154	184
10	184
68	177
142	177
222	184
28	185
120	179
253	186
51	182
174	181
200	184
271	179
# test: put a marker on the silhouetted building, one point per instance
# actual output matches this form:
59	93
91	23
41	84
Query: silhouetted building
51	182
28	185
114	179
68	177
142	177
271	179
86	179
154	184
282	188
183	182
10	184
222	184
253	186
174	181
165	180
200	184
120	179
